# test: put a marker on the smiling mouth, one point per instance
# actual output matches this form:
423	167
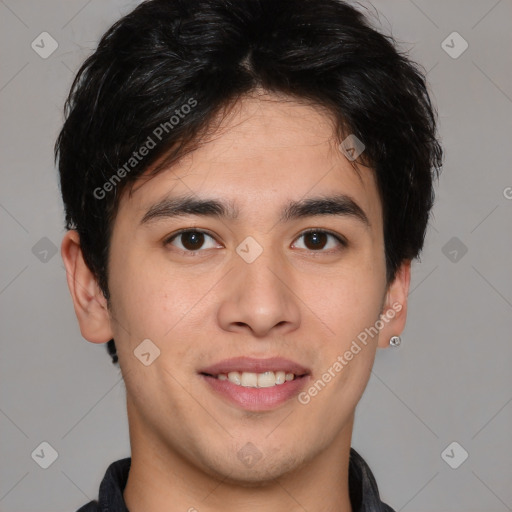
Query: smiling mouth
256	380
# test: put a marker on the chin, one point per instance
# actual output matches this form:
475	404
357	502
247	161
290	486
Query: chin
262	473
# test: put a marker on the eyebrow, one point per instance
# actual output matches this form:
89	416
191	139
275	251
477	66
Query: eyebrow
171	207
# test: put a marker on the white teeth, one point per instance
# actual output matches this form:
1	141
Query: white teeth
266	380
280	377
249	380
257	380
234	377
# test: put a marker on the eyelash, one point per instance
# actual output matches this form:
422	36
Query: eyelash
341	240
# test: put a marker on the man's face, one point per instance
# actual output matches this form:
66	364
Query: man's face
263	281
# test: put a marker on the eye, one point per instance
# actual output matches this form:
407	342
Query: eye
318	239
192	240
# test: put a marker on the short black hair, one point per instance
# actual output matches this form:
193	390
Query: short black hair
162	74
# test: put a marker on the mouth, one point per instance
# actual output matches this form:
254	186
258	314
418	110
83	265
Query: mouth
266	379
251	365
256	384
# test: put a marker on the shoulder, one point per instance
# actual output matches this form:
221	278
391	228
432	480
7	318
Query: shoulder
111	489
363	489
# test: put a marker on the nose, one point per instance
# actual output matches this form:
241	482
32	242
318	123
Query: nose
258	298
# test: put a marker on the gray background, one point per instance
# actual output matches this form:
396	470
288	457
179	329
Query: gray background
449	381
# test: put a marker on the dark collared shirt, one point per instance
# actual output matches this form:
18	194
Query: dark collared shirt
363	492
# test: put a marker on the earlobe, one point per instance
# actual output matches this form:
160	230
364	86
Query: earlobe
394	313
89	302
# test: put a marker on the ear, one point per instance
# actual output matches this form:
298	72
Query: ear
88	299
394	311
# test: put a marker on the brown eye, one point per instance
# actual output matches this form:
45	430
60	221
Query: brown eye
192	240
317	240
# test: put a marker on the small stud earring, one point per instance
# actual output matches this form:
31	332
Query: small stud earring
395	341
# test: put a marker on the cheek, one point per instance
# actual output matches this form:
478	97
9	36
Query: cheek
347	302
153	302
136	294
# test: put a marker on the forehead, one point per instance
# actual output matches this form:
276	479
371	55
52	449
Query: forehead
265	151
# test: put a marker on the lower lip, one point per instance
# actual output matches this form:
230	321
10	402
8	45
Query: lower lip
257	399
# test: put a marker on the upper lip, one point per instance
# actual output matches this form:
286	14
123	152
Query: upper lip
253	365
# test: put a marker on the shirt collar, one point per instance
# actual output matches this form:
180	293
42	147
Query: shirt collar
363	491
